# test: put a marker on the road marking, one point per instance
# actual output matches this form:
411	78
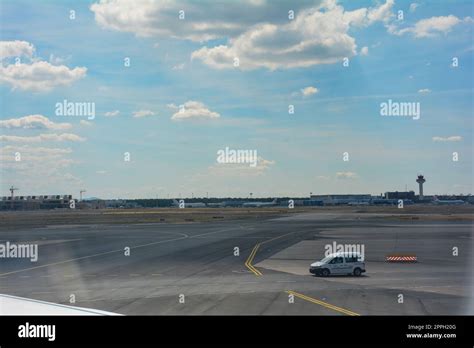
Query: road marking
324	304
283	235
214	232
42	292
95	255
248	263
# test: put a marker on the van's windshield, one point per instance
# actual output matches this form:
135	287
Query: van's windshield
327	259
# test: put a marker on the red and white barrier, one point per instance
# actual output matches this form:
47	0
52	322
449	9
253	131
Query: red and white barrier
401	258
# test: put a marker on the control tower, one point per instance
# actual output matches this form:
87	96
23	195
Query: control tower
421	180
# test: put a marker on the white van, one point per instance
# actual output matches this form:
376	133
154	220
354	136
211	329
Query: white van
339	263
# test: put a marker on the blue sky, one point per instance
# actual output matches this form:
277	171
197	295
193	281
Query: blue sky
189	62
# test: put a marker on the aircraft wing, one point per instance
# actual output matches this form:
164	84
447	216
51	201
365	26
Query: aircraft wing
13	305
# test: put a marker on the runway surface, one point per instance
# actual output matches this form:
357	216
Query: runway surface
192	268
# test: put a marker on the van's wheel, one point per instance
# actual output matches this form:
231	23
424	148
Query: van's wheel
357	272
325	272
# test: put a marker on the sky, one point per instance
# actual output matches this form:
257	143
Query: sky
172	83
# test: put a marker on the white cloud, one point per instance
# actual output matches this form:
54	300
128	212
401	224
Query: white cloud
112	113
40	168
34	121
42	137
413	7
357	18
31	153
346	175
381	13
178	67
430	27
364	51
37	75
16	49
143	113
364	17
240	169
313	37
310	90
258	32
192	110
31	157
55	60
86	123
316	36
424	91
322	177
447	139
204	20
101	172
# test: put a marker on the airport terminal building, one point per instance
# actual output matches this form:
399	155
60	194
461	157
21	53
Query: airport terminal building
35	202
341	199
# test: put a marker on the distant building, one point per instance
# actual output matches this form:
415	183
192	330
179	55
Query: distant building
115	203
91	204
400	195
312	202
342	199
35	202
383	201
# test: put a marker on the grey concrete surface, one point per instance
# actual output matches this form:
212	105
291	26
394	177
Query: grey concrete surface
197	260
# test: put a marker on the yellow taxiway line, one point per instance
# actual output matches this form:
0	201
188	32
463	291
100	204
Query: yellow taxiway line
249	261
324	304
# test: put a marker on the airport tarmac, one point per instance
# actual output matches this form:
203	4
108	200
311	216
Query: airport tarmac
192	268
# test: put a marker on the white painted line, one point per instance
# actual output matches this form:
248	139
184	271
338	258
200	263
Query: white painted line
43	292
219	231
95	255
